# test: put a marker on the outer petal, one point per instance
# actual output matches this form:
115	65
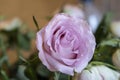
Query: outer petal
59	66
80	66
42	53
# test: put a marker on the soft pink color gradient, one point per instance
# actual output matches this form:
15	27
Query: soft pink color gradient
66	44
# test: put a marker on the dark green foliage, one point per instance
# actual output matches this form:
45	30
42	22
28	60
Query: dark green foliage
103	28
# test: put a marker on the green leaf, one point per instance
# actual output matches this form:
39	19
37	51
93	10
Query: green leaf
31	34
61	76
4	75
104	54
11	38
43	71
24	60
96	63
105	50
111	42
3	60
23	41
103	28
34	60
4	57
30	73
20	72
64	77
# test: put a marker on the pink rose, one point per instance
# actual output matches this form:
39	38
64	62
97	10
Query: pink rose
66	44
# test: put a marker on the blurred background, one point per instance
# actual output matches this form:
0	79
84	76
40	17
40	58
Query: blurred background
25	9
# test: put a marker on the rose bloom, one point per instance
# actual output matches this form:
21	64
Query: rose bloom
116	58
99	73
66	44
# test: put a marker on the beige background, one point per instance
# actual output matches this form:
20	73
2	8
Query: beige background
25	9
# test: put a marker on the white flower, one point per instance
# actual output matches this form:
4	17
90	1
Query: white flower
10	24
99	73
116	58
115	28
74	10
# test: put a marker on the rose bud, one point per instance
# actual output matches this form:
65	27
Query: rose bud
115	28
66	44
99	73
116	58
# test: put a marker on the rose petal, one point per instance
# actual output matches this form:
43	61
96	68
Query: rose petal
39	46
69	61
80	65
59	66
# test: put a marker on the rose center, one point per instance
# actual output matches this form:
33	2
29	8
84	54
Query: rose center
66	39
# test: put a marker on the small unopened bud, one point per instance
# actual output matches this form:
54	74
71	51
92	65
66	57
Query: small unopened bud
99	73
116	58
115	28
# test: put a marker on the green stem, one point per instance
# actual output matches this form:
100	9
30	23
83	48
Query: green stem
18	52
69	77
3	48
75	77
57	75
35	21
